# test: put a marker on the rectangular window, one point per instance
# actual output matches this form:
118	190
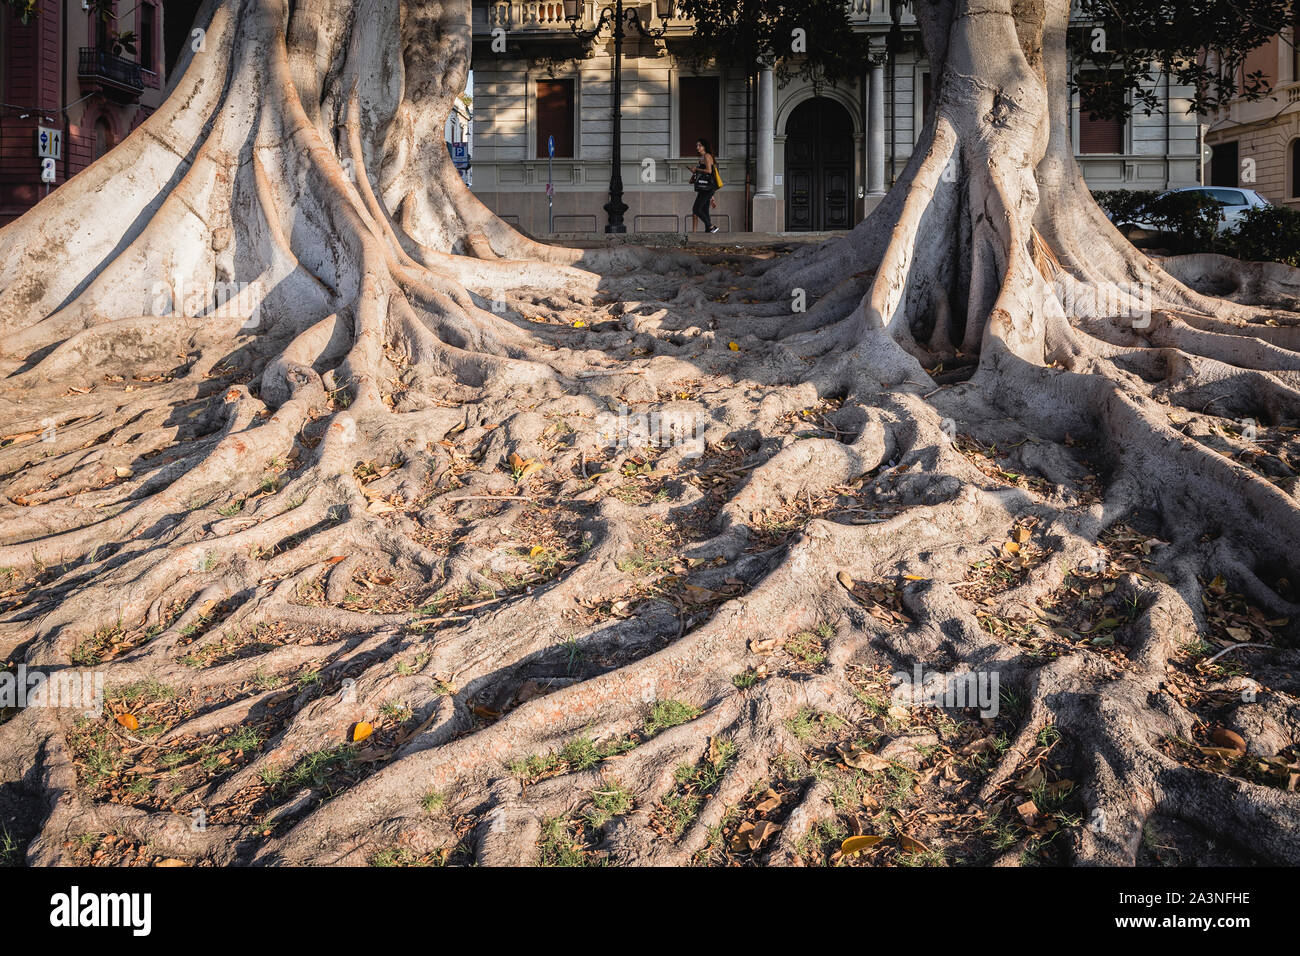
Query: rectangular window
697	112
555	117
148	36
1098	135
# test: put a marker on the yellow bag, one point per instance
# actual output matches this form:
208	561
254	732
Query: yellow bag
717	176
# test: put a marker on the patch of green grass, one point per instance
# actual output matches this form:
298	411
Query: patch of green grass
433	801
809	723
232	509
315	769
612	800
745	679
245	738
635	564
395	856
668	713
682	804
927	858
416	664
806	647
91	741
1012	703
265	681
1048	735
560	846
11	853
88	652
876	706
147	690
821	840
395	710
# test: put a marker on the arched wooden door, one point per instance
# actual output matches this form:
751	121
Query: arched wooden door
819	167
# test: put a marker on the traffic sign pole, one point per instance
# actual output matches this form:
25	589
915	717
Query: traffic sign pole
550	184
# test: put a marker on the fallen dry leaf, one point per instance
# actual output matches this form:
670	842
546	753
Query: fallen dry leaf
856	844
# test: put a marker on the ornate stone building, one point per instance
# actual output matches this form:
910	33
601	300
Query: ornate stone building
1257	145
823	155
60	73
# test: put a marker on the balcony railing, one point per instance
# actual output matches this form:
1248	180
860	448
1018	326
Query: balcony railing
110	71
546	17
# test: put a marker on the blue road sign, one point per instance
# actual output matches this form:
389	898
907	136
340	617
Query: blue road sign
550	146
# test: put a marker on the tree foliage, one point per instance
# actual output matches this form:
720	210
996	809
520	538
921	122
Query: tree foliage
813	40
1202	44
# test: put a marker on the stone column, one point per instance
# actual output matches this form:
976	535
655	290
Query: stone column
767	206
876	130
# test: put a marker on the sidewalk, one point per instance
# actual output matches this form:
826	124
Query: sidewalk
588	240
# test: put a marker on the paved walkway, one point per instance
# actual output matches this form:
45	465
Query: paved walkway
587	240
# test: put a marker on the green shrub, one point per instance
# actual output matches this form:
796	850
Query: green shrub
1270	234
1124	205
1192	219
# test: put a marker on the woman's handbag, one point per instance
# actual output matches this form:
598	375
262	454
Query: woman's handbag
703	181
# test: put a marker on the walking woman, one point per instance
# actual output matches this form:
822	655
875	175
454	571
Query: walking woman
705	178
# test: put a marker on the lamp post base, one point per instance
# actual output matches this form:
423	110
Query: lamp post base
615	209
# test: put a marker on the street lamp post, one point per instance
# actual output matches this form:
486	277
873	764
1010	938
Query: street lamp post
618	20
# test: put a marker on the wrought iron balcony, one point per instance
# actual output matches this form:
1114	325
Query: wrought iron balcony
115	75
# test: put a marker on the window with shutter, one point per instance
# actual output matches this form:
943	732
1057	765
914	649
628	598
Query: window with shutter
697	112
555	116
1096	134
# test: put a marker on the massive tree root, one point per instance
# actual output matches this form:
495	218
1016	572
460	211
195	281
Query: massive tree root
375	571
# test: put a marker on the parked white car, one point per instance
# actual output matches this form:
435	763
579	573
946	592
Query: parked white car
1235	202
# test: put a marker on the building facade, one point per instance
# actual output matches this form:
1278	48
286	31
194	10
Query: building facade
59	74
1257	145
822	155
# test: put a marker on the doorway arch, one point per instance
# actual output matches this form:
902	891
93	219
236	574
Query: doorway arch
819	166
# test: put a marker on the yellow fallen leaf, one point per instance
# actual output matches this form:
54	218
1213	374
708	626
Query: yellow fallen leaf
536	550
171	863
361	731
855	844
1010	547
733	346
530	468
914	577
128	721
123	472
580	324
845	580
